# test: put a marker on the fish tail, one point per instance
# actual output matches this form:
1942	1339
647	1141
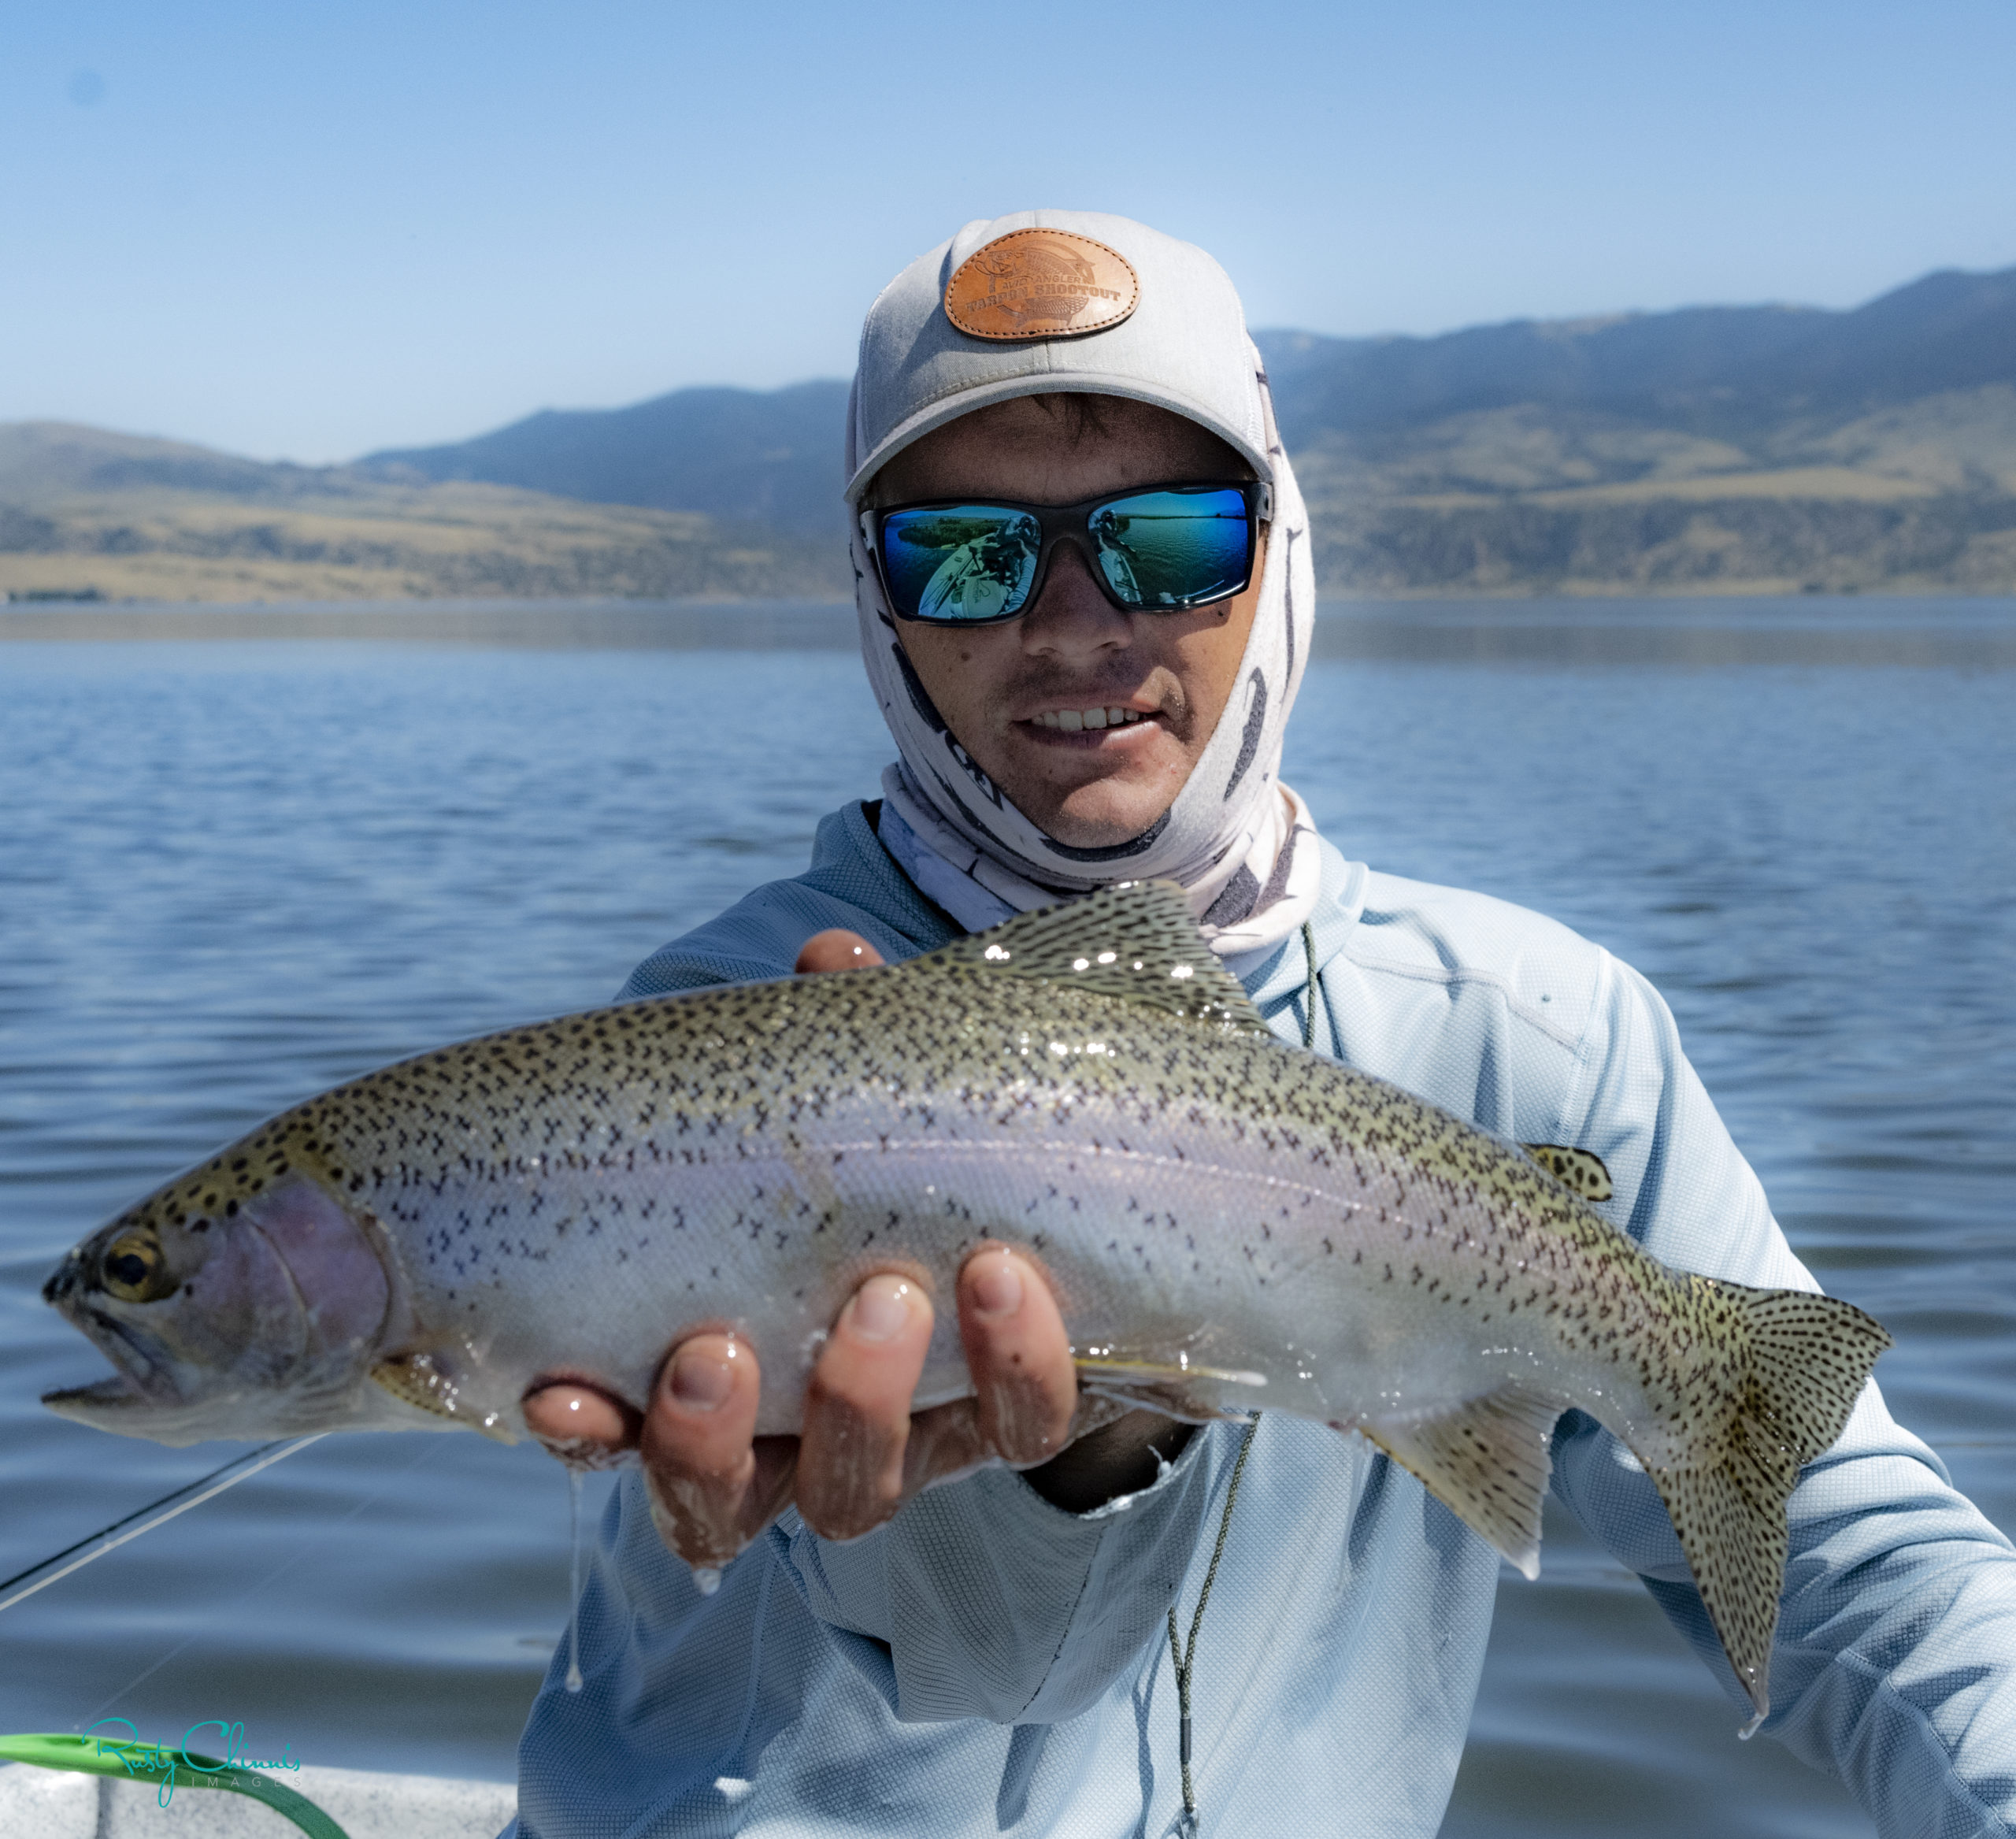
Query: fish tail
1808	1358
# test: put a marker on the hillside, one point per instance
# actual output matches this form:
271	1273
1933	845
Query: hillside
125	516
1918	497
1754	449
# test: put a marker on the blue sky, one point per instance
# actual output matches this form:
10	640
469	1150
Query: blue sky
308	230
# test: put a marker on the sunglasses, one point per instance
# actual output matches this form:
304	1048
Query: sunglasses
1162	549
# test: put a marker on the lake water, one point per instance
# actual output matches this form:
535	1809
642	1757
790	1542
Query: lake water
236	870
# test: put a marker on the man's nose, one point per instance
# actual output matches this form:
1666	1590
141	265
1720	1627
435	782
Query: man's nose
1071	617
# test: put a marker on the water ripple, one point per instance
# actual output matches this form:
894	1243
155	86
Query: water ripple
234	873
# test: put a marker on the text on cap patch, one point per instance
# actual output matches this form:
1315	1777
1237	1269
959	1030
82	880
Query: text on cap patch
1041	285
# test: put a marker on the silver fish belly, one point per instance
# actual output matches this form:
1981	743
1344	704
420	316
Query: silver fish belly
1227	1223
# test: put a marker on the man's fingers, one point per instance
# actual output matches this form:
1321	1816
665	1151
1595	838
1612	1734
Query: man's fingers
1024	1385
714	1487
703	1408
944	1444
770	1484
837	949
1027	1406
858	1409
580	1424
699	1463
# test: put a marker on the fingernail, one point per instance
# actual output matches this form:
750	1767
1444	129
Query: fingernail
997	1287
881	1309
701	1382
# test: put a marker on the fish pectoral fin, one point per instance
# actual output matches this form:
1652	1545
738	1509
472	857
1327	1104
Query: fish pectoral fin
1581	1170
413	1379
1488	1461
1134	940
1176	1389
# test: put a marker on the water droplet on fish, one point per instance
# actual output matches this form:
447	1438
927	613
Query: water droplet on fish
706	1580
575	1477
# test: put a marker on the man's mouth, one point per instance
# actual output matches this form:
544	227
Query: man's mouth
1088	720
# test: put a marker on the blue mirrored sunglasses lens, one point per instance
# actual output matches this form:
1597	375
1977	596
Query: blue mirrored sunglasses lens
955	562
1174	548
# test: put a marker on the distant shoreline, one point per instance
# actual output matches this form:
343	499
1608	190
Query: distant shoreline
546	625
1947	630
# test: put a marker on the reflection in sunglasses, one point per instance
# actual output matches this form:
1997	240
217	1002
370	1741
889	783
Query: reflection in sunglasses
1164	547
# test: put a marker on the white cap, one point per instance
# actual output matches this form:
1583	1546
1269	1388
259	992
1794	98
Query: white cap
1181	344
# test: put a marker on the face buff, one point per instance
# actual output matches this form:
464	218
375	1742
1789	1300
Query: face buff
1241	844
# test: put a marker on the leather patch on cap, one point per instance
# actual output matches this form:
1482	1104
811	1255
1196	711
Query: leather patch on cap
1041	285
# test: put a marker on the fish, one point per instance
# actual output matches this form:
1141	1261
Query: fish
1228	1222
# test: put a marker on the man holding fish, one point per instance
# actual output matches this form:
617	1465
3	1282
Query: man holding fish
990	1656
936	1300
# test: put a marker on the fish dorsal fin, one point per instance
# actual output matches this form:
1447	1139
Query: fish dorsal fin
1487	1460
1580	1169
1134	940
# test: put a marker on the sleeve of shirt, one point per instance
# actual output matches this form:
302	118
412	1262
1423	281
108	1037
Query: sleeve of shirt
993	1604
1894	1661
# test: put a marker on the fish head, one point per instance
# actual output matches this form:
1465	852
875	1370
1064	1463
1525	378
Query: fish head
228	1311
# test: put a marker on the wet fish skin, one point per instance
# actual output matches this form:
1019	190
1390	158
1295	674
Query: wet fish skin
1227	1222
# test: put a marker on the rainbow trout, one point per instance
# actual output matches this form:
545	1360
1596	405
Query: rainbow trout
1228	1223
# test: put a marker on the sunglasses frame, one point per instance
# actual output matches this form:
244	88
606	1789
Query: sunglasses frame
1072	523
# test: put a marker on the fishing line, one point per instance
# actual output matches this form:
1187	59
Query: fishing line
1185	1659
575	1476
263	1458
284	1566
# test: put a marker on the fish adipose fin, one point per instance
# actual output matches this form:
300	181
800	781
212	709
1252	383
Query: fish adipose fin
1487	1462
1176	1388
1580	1169
1810	1357
1136	940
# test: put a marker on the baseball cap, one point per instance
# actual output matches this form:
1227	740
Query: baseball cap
1042	301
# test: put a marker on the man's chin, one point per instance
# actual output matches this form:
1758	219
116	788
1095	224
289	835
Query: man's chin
1087	798
1094	818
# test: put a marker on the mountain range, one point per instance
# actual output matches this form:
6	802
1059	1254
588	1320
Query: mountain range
1710	449
764	456
1725	372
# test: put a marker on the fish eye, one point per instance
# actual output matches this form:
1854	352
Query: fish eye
132	1269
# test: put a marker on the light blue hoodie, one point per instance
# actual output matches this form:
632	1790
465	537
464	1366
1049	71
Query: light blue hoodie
987	1663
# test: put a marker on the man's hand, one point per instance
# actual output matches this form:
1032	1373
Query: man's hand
714	1485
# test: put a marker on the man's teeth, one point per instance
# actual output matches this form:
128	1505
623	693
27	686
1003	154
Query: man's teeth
1074	720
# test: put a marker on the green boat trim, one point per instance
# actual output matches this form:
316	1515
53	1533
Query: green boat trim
144	1762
